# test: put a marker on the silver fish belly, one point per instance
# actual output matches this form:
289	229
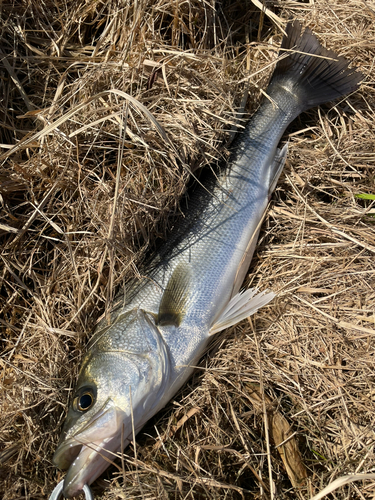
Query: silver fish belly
190	289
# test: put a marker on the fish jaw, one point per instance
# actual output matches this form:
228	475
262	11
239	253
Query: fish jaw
89	452
91	461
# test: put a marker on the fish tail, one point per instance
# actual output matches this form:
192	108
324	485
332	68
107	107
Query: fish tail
310	72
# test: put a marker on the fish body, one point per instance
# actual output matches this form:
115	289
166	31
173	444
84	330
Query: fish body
190	288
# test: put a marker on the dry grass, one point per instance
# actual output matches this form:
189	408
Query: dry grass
81	202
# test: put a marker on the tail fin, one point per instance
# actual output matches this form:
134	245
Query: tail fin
313	73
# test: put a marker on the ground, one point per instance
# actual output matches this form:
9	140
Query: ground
106	108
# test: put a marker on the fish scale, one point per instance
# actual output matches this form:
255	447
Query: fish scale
190	288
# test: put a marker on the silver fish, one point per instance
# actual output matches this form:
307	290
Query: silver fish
190	291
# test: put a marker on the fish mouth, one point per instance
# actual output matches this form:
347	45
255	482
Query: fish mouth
90	462
90	450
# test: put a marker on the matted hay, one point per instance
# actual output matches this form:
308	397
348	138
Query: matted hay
71	235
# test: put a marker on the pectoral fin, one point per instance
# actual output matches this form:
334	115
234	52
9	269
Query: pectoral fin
241	306
174	301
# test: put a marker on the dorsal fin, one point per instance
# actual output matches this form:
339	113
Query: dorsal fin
175	297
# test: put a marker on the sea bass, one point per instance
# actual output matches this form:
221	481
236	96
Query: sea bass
191	288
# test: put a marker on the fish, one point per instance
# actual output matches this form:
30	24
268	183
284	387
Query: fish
191	287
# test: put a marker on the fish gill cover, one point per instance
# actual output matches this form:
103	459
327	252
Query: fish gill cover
76	222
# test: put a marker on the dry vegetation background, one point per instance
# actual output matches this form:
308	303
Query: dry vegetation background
88	183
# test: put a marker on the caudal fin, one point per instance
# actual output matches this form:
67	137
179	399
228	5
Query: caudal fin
310	71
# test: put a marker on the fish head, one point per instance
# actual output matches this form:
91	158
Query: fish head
120	385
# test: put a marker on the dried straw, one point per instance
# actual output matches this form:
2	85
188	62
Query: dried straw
107	109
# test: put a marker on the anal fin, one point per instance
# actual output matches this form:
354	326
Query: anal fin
277	167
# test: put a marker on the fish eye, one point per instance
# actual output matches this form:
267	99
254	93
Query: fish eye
84	401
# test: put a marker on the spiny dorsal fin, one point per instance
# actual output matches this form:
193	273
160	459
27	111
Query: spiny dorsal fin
174	300
241	306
